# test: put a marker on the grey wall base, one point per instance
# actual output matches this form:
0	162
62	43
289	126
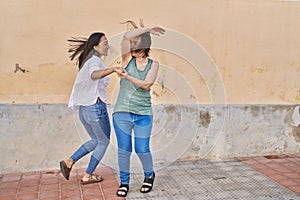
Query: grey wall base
37	137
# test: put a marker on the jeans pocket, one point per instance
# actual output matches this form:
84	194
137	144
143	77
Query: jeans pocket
93	115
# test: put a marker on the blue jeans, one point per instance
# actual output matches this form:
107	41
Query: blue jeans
96	122
124	123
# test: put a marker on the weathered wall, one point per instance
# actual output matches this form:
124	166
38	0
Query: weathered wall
253	43
240	80
37	137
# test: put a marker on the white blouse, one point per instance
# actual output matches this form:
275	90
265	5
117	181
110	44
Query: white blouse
85	90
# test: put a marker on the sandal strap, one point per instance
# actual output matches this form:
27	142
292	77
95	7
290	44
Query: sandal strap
147	185
150	179
96	177
122	189
124	186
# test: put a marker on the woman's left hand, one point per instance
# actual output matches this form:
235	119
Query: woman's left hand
121	72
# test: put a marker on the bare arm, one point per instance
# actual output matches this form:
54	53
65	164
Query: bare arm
102	73
126	46
149	80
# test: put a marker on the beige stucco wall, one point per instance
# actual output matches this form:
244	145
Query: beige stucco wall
215	51
255	45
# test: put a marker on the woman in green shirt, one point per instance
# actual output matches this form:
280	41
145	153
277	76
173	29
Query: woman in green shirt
133	110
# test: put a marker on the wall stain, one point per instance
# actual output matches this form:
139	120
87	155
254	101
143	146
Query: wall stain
260	69
296	116
285	146
192	96
204	119
155	93
41	107
278	108
18	68
296	133
288	119
246	127
255	110
172	110
295	126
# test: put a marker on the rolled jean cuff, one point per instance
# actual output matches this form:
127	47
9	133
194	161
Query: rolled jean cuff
124	177
92	165
82	151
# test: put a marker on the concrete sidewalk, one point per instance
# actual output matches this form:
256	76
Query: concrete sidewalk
273	177
226	179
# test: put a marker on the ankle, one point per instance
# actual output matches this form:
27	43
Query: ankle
86	176
70	160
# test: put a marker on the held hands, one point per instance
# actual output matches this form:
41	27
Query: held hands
122	73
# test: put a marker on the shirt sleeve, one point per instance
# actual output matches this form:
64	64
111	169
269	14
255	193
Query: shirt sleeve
94	65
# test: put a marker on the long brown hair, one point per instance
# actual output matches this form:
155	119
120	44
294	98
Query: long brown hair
82	48
146	42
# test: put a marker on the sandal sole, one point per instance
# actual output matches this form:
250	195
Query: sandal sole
91	181
65	170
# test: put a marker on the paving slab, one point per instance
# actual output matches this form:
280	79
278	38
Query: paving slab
206	179
276	178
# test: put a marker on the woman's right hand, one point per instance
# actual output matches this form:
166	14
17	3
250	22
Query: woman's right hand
122	73
156	30
118	70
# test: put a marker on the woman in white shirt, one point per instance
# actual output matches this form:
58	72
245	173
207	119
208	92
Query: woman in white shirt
89	95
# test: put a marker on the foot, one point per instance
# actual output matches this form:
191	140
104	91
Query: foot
66	167
69	162
123	190
91	178
147	184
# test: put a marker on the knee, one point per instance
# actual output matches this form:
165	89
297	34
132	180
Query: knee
94	142
124	145
123	152
141	149
91	145
142	145
103	143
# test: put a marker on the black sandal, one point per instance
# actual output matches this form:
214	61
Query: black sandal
123	190
147	184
